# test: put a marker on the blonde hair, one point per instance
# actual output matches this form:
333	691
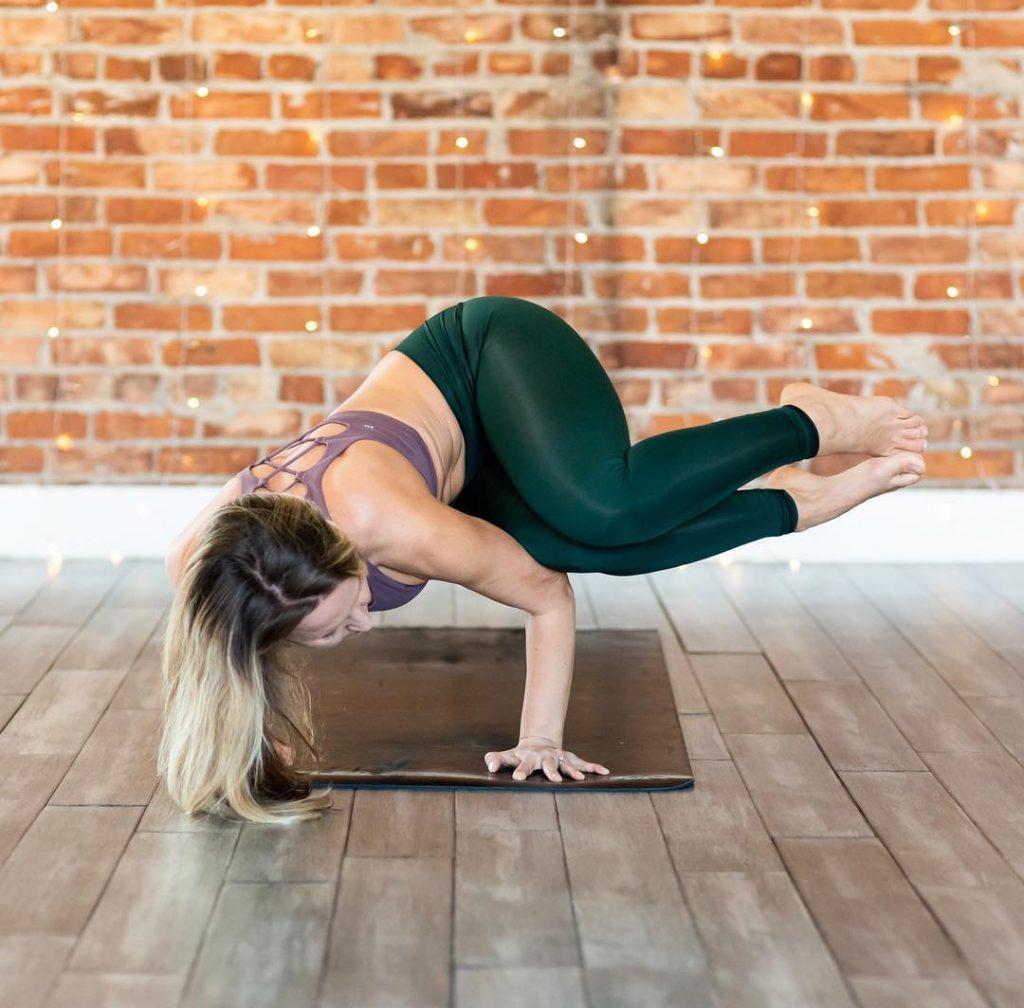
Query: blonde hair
231	693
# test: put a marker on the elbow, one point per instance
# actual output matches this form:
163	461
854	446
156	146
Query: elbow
558	595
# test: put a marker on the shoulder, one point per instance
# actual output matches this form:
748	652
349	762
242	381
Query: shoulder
426	538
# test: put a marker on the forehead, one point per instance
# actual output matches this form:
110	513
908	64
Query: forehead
334	604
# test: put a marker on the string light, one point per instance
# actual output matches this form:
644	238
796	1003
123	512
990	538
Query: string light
812	216
578	142
321	152
968	58
61	440
174	382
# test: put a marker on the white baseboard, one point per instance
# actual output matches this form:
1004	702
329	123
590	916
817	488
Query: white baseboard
912	525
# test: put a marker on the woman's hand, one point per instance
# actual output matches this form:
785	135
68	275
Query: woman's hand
541	754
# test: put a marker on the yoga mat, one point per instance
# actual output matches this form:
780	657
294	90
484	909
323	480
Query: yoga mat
419	707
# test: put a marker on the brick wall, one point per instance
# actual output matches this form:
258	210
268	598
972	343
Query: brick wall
721	198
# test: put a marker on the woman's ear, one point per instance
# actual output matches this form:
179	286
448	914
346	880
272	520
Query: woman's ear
285	752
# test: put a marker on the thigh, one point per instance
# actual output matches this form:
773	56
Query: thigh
555	425
743	516
550	412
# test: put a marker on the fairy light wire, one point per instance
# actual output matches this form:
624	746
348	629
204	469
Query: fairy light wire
172	383
571	177
461	153
59	439
968	63
804	309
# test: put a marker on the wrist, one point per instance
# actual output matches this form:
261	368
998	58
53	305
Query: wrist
541	738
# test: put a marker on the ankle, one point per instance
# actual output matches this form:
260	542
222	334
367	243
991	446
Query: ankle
808	428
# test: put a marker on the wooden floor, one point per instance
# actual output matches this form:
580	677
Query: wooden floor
855	835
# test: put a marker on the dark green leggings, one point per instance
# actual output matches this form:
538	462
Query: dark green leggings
549	458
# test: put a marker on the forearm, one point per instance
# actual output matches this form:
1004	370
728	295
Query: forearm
550	652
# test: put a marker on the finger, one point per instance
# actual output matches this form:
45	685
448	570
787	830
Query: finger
524	770
572	766
549	763
496	760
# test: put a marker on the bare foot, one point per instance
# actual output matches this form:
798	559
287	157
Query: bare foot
857	425
821	498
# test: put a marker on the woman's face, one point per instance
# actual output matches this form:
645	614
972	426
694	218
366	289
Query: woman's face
339	614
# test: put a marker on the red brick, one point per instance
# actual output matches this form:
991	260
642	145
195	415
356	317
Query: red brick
929	321
853	284
898	32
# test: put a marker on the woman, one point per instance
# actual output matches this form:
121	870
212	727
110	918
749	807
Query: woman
488	449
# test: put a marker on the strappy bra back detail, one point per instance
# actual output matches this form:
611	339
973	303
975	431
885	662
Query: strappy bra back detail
387	593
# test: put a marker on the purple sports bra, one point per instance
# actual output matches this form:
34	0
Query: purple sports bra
386	592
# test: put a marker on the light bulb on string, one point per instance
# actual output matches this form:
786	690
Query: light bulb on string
578	142
61	440
968	56
810	218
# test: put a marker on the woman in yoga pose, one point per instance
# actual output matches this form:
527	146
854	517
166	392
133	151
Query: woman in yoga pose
488	449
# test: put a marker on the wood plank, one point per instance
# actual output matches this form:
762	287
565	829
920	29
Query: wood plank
794	643
953	649
959	586
53	878
391	936
28	964
629	909
116	990
623	602
312	853
763	947
702	737
793	787
990	789
394	823
60	713
928	834
20	579
714	826
71	594
874	922
602	590
142	581
25	785
1004	717
744	695
288	920
516	877
1007	579
501	808
916	992
163	816
921	704
152	914
29	650
540	987
851	726
988	926
614	986
685	691
140	689
117	764
9	703
110	639
703	616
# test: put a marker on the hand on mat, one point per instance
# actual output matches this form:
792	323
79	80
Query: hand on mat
533	755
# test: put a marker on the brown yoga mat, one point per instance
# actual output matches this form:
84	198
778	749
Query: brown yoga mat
419	707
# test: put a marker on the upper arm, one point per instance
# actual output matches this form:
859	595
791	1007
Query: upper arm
435	541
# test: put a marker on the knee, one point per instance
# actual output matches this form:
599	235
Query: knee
607	525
